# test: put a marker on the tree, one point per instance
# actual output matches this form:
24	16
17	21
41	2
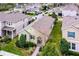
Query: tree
64	46
44	8
6	6
22	41
53	15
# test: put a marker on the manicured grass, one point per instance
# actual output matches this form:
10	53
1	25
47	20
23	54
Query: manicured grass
52	47
11	47
31	14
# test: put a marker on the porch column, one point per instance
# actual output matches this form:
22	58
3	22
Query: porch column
12	35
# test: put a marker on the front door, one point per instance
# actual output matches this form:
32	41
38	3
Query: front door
39	41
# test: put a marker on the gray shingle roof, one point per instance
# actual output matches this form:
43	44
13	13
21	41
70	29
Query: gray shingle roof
12	17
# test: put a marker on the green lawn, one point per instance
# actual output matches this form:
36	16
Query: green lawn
31	14
11	47
52	47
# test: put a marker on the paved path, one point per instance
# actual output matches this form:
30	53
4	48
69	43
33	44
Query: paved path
36	51
4	53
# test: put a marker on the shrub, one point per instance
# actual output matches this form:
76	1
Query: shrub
53	15
72	53
5	39
22	41
30	44
44	8
64	46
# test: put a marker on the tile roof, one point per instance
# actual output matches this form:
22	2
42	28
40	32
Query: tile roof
69	21
71	7
44	25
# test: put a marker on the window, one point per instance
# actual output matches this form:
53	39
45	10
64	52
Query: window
32	37
9	23
60	14
71	34
73	46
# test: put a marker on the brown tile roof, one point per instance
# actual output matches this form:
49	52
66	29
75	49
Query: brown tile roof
44	25
71	7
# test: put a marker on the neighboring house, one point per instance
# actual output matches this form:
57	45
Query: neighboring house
11	24
33	8
70	31
18	7
39	31
58	11
70	10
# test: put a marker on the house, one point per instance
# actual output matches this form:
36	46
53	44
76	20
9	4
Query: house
18	7
39	31
70	10
35	7
70	31
12	24
58	11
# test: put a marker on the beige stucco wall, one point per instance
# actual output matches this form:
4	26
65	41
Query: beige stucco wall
71	29
35	33
72	40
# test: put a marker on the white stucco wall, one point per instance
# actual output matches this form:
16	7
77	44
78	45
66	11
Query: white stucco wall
77	47
0	28
69	13
19	26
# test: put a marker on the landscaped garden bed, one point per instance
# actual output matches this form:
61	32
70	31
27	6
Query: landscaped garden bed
12	48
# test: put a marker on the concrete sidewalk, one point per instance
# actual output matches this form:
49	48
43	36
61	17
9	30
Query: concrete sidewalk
5	53
36	51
